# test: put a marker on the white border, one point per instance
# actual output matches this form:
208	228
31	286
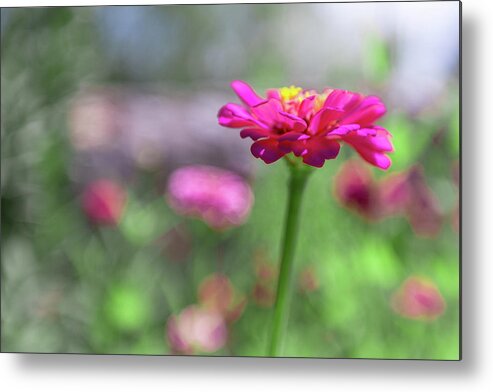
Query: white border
474	373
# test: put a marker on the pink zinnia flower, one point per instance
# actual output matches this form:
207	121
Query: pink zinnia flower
408	192
103	202
216	292
196	330
405	193
219	197
356	188
418	298
309	124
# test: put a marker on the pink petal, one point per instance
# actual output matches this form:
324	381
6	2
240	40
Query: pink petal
293	122
343	130
246	93
342	99
254	133
267	150
313	150
319	150
374	138
273	94
322	118
271	113
376	158
298	147
370	110
381	143
235	116
293	136
268	112
306	106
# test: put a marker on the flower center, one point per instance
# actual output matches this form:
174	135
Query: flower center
289	93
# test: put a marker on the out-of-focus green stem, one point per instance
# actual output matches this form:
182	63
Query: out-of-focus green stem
297	181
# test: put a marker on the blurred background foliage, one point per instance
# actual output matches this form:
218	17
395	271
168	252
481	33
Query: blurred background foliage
131	93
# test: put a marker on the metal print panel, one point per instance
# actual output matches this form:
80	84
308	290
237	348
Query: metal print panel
276	180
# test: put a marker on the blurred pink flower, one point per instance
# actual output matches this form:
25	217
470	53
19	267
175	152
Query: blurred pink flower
309	124
219	197
103	202
196	330
418	298
217	293
356	189
409	194
405	193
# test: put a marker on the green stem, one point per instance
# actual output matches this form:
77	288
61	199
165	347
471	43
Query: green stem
297	181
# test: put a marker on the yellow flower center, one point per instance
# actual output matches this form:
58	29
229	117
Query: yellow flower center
289	93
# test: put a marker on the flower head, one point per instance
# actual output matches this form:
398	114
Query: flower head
219	197
418	298
195	330
103	202
405	193
408	192
216	292
308	124
356	189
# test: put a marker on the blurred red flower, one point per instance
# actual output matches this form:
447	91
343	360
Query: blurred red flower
418	298
103	202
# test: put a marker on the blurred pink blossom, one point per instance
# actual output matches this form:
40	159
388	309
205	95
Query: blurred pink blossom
217	293
356	189
405	193
103	202
219	197
418	298
196	330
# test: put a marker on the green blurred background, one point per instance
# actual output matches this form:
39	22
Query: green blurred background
161	74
